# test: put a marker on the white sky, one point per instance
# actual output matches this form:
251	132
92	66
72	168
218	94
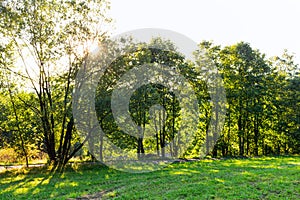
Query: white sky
268	25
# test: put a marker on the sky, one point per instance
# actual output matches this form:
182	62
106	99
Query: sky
268	25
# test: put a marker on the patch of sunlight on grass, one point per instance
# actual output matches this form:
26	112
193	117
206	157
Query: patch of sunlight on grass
226	164
107	176
266	158
207	161
20	191
66	184
111	194
214	170
139	166
219	180
31	183
179	172
239	162
293	163
184	172
18	180
75	167
34	182
8	189
194	171
45	182
36	191
246	173
9	179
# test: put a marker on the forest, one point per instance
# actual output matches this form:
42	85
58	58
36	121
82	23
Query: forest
45	43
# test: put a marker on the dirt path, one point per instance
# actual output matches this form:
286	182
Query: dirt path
10	167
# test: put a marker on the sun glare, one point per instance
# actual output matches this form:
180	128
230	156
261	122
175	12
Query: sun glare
92	46
87	47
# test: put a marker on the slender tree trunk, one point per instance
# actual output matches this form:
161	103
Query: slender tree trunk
207	141
161	134
241	136
228	146
156	134
18	127
256	135
163	141
174	152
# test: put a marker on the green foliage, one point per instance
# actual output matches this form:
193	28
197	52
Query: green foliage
50	39
262	94
155	134
8	156
260	101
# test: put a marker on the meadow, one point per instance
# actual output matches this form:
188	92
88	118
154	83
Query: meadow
251	178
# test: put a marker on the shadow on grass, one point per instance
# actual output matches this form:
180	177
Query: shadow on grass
41	183
255	178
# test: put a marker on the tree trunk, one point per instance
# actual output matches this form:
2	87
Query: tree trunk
241	136
256	135
207	141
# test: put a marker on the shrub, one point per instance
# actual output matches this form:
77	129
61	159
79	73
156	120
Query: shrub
8	155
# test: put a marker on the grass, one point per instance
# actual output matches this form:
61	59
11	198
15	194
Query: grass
254	178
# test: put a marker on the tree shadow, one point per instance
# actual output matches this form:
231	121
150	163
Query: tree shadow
42	183
248	178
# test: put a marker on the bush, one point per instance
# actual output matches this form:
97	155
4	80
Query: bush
8	155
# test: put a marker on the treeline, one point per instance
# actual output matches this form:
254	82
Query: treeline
262	108
261	118
262	101
45	44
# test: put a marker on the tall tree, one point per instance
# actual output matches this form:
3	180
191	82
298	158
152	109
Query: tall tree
56	35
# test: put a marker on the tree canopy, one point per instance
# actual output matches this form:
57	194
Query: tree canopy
45	42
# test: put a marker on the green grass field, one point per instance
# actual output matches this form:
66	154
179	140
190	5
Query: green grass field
254	178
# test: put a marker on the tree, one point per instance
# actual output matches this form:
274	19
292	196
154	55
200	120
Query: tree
285	102
57	36
262	101
163	125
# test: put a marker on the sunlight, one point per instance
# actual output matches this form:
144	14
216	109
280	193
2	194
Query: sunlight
91	45
87	47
